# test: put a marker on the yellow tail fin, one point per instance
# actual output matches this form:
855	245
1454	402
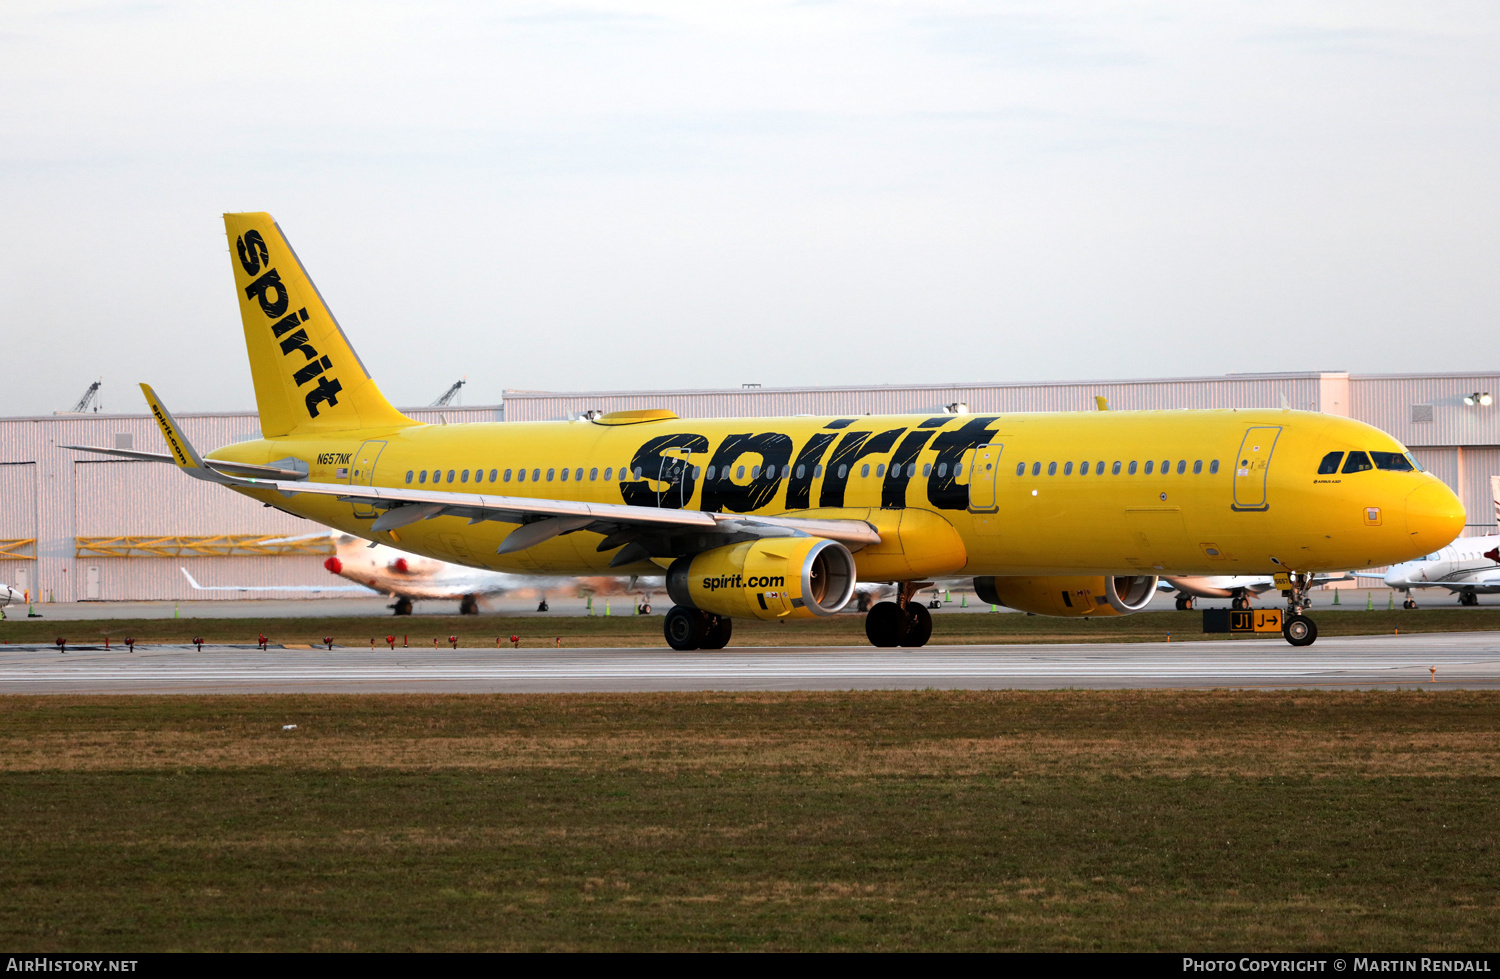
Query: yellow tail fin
307	377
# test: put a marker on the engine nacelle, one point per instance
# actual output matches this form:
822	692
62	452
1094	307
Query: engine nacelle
779	577
1069	594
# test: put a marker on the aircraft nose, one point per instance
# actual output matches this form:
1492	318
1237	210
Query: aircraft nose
1434	516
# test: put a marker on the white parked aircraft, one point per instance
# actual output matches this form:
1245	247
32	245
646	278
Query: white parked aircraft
1469	567
408	578
1240	588
9	596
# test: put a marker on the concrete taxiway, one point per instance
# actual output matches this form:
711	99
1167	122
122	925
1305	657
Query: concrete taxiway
1461	660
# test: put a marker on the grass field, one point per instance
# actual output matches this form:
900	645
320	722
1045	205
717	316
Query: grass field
632	630
895	820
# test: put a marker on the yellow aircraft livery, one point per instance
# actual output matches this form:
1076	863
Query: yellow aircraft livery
1056	513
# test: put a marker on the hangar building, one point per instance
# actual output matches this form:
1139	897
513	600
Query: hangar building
75	528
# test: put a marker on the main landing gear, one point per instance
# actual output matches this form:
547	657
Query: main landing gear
1297	628
1241	602
1184	603
1468	597
402	606
469	605
899	623
690	628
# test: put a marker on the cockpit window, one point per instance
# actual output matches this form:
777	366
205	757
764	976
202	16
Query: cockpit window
1330	464
1358	463
1393	461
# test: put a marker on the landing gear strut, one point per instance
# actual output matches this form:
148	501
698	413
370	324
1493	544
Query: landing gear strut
691	628
1184	603
1297	628
1241	601
899	623
1468	598
402	606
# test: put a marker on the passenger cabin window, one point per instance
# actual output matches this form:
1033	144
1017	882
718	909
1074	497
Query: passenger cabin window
450	475
818	470
1149	463
1020	469
739	473
1099	468
1166	466
801	471
422	476
1130	470
1357	462
1068	469
1115	469
609	473
564	475
1036	469
536	475
409	475
1051	469
1213	467
1330	464
1198	467
1083	469
637	472
1392	461
493	474
1181	466
463	477
594	474
507	475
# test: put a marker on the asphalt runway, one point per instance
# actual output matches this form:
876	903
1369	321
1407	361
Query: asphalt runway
1462	660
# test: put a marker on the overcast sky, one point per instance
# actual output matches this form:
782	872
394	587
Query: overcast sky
631	195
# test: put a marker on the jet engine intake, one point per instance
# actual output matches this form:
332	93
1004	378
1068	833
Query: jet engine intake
772	578
1069	595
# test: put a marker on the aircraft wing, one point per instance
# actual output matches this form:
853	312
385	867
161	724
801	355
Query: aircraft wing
227	468
541	519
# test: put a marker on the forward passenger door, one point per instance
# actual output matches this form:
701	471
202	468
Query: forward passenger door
1252	467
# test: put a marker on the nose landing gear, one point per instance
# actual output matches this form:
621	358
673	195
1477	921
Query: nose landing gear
1297	628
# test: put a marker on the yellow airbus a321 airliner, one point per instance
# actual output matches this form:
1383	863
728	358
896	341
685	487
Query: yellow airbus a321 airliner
1055	513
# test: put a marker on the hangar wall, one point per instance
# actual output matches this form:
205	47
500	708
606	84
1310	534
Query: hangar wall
75	528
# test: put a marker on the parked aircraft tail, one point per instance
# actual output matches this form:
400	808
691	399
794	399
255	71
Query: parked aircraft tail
308	379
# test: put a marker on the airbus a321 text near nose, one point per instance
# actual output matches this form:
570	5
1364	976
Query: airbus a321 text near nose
1062	513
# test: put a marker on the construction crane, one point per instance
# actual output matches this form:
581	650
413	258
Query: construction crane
448	394
90	398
